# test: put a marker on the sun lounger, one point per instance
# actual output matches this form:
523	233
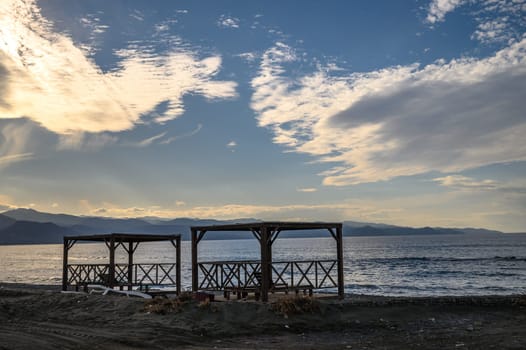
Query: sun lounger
97	288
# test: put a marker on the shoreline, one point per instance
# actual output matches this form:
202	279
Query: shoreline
39	316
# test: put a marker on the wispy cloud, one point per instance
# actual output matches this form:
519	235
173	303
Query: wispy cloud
248	56
464	183
138	15
13	143
398	121
228	22
85	141
182	136
12	158
338	211
50	80
307	189
148	141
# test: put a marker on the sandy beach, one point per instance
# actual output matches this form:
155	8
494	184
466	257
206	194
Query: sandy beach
40	317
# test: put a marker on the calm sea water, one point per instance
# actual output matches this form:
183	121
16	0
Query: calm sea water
409	266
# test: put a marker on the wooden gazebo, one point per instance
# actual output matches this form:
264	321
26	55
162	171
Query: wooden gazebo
265	275
130	274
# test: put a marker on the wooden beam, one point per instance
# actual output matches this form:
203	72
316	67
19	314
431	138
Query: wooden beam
178	265
130	264
256	234
331	231
195	272
112	262
201	235
274	236
265	263
339	248
65	265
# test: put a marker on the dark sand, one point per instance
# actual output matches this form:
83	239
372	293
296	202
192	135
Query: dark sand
34	317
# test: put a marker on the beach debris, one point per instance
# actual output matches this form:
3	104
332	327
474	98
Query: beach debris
165	306
295	305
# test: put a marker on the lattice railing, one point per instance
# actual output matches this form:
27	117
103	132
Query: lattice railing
228	274
142	274
315	274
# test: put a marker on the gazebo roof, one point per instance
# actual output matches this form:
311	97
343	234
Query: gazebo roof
274	225
123	237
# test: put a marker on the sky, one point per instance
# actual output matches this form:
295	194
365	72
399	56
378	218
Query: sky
407	112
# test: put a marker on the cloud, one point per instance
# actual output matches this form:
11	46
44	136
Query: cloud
398	121
13	142
12	158
248	56
307	190
150	140
85	141
138	15
228	22
54	83
231	144
331	211
460	182
439	8
182	136
498	21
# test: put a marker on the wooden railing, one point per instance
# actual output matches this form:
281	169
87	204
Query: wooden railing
221	275
141	274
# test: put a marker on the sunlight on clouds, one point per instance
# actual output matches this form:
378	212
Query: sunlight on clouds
85	141
336	211
307	189
398	121
51	81
464	183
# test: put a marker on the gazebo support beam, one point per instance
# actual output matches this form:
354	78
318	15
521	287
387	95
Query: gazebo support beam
195	273
339	253
111	277
265	263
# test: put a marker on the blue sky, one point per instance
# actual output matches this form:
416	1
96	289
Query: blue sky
402	112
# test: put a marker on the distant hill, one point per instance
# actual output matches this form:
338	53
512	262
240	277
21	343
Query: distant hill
5	221
397	231
23	214
22	226
27	232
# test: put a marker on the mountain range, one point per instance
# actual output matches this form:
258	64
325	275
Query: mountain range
28	226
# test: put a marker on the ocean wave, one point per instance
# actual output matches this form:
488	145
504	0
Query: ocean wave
439	259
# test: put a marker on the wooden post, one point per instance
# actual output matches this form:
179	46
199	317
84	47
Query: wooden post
269	244
111	271
265	263
339	247
130	264
65	265
178	265
194	261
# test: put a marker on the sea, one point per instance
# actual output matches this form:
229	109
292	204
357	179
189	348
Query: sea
430	265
